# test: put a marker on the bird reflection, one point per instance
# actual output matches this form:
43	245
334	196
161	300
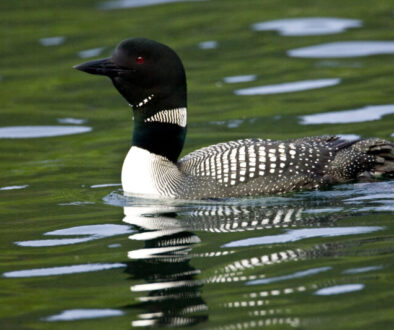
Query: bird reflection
168	287
170	293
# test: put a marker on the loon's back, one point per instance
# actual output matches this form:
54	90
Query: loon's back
255	166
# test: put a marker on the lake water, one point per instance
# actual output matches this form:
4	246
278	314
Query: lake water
77	254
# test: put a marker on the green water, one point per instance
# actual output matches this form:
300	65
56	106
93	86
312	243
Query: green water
187	264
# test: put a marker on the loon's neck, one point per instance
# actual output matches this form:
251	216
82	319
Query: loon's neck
162	133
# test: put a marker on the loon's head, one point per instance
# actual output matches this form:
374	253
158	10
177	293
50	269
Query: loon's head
148	74
151	77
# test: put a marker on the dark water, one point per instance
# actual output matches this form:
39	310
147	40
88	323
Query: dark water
77	254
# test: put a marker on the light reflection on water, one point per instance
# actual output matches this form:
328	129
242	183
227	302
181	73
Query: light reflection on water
75	121
361	269
52	41
300	274
240	79
62	270
367	113
308	26
339	289
295	86
119	4
14	187
344	49
81	314
87	53
298	234
210	44
91	232
23	132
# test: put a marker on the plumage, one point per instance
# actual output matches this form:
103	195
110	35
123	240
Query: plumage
151	77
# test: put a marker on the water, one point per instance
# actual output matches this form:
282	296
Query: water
308	26
239	79
367	113
345	49
52	41
23	132
295	86
78	254
210	44
119	4
90	52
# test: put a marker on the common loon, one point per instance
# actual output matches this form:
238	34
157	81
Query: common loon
151	77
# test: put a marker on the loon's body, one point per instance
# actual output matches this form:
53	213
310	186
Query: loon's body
151	77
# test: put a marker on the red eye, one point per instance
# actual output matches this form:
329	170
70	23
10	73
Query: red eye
140	60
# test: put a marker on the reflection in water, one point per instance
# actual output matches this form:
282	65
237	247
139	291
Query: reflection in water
300	274
119	4
104	185
91	232
210	44
339	289
362	269
23	132
90	52
168	289
351	137
62	270
81	314
240	79
368	113
52	41
344	49
232	123
308	26
69	120
170	294
298	234
171	290
295	86
14	187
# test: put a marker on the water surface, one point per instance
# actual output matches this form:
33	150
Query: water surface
345	49
308	26
77	254
294	86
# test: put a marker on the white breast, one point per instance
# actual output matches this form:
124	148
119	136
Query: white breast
143	173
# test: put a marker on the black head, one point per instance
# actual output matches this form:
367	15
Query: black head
151	77
148	74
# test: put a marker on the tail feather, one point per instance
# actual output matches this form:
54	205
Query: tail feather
363	160
383	153
384	166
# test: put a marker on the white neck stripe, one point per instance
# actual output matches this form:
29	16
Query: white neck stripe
144	101
176	116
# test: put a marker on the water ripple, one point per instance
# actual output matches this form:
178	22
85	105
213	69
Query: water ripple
344	49
368	113
300	274
62	270
23	132
339	289
298	234
295	86
81	314
308	26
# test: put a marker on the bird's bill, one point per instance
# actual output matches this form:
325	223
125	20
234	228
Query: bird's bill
104	67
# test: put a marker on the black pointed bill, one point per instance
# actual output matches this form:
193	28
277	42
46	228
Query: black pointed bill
103	67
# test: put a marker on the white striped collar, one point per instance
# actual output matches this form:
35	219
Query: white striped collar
176	116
